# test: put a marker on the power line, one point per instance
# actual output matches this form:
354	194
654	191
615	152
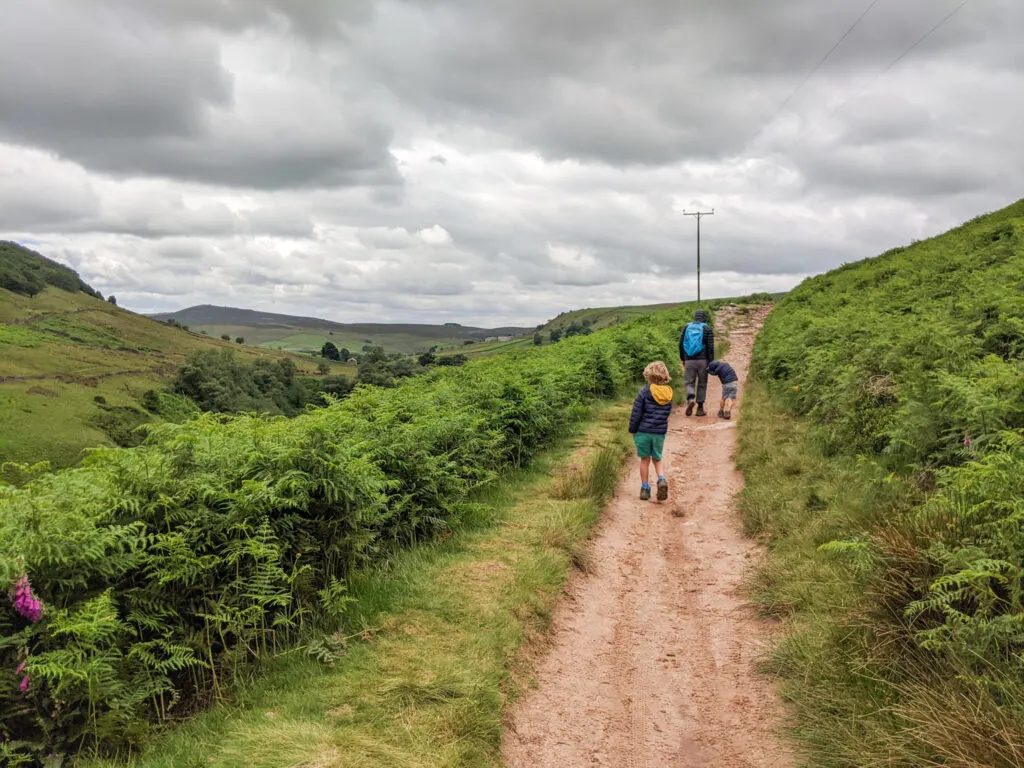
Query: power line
896	61
809	75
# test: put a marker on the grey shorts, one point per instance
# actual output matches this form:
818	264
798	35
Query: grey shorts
730	390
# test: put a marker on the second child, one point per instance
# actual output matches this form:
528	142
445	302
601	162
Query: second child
730	386
648	424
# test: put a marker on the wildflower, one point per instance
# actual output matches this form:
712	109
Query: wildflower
24	684
25	602
796	388
967	442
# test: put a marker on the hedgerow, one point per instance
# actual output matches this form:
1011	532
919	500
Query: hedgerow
165	570
912	362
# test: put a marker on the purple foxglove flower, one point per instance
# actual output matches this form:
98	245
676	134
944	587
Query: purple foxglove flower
25	602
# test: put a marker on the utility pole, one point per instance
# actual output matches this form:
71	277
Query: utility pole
699	215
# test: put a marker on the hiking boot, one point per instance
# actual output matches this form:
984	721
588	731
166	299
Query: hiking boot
662	489
700	410
726	415
689	407
645	493
721	414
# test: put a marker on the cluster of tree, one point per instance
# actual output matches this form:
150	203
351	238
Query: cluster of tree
331	352
387	370
574	329
218	382
26	272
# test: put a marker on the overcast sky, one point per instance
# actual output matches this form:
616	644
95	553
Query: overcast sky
494	162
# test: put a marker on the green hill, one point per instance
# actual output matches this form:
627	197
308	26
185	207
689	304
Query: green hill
894	506
74	367
308	334
26	272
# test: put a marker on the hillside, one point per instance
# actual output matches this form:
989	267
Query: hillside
307	334
73	366
884	458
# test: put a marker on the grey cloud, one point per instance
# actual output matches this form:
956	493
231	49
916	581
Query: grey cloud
652	82
308	18
111	89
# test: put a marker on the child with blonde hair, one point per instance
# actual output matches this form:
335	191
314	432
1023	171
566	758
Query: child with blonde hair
648	423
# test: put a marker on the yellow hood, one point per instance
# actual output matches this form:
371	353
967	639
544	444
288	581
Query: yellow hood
662	393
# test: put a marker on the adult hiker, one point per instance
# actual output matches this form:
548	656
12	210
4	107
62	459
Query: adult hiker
696	350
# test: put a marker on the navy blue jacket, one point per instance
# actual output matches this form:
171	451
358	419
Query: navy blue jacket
649	415
723	371
708	353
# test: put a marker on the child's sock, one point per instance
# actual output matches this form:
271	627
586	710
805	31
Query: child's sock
645	485
661	477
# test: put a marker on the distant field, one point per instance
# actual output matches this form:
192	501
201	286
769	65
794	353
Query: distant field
63	354
305	334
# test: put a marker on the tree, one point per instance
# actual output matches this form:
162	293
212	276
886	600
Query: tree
239	340
330	351
345	354
538	339
112	299
556	335
225	337
427	358
323	367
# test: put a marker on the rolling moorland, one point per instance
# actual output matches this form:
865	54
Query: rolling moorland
74	367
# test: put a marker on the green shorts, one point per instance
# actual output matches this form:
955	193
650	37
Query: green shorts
649	445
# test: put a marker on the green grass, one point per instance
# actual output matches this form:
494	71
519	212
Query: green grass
434	648
860	691
59	351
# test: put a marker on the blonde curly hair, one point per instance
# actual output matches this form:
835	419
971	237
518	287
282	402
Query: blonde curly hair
657	373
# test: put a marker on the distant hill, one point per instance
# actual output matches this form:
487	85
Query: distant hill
25	272
302	335
74	367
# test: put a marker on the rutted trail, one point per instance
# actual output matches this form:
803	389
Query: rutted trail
653	663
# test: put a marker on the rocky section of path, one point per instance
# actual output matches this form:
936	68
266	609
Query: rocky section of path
653	662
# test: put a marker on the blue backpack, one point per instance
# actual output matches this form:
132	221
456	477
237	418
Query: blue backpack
693	339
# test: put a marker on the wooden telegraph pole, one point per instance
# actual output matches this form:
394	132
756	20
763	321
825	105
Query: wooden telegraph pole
699	215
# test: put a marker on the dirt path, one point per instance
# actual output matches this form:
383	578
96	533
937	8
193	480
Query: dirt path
653	663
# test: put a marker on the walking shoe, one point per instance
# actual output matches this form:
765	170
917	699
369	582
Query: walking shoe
721	414
662	489
689	407
645	493
700	410
727	415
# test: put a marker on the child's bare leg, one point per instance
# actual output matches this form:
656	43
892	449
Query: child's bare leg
727	405
645	467
658	468
723	405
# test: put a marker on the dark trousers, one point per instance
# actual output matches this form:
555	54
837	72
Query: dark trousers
696	379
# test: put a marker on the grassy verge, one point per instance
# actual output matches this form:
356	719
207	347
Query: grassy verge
843	556
427	663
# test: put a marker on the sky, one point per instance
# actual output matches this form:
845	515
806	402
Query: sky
495	162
